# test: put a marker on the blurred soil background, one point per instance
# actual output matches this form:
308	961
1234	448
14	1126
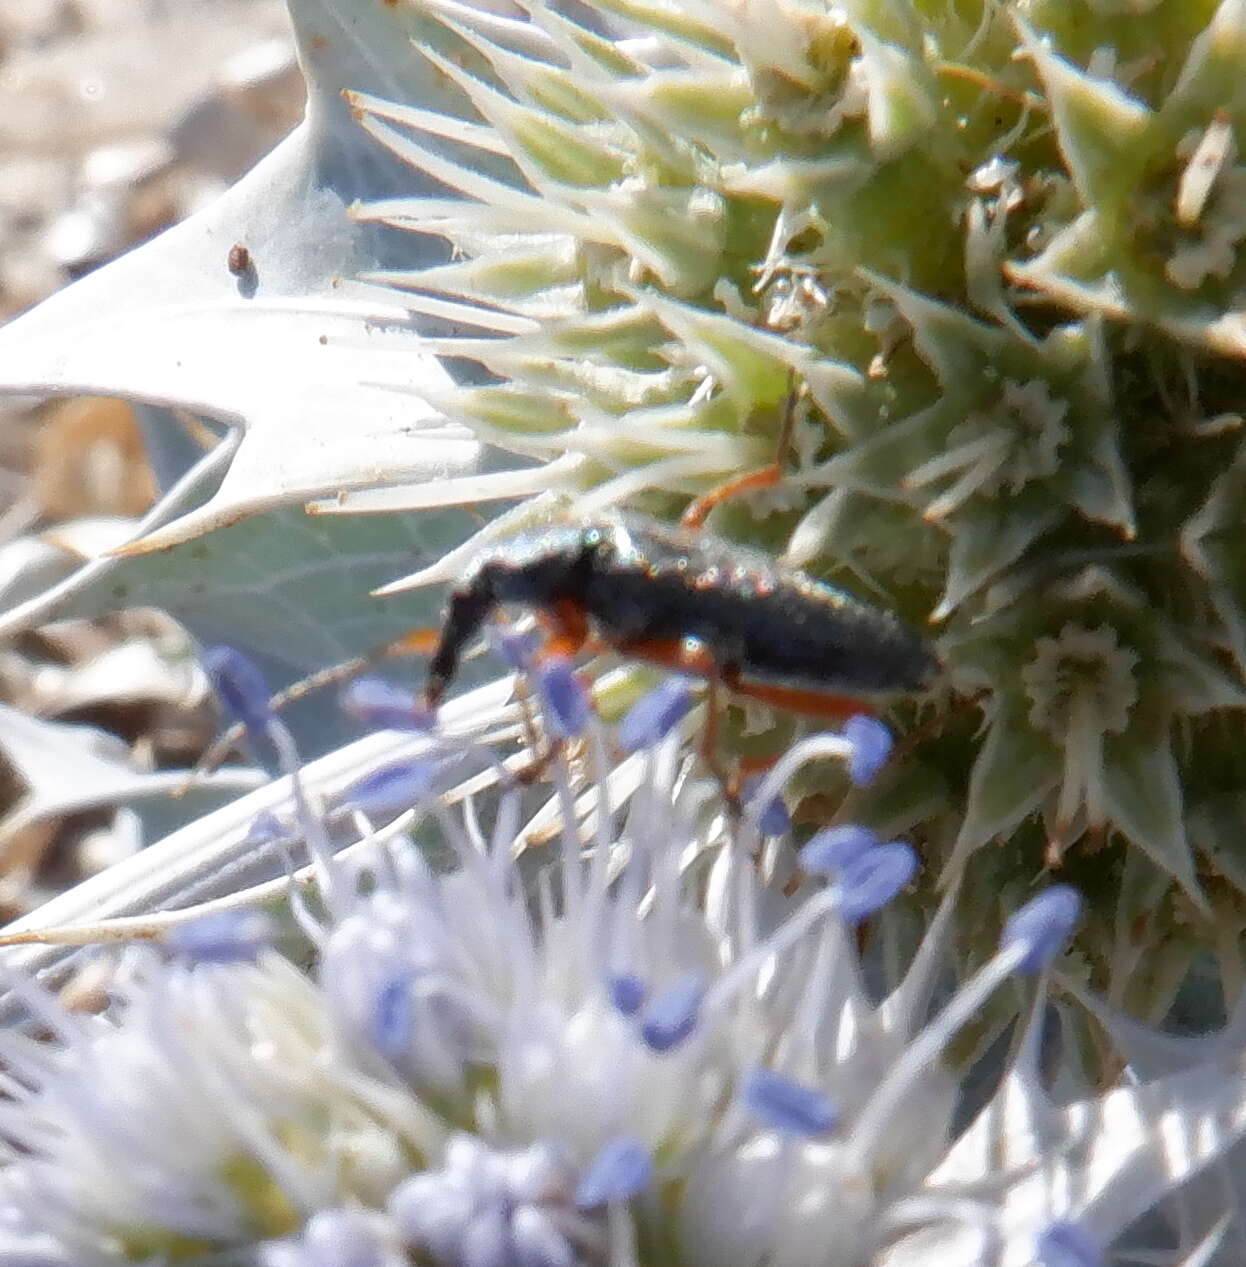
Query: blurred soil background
117	119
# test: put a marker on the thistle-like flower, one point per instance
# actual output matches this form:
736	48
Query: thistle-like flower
995	250
990	255
664	1046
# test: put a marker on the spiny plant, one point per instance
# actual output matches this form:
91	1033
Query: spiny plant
995	246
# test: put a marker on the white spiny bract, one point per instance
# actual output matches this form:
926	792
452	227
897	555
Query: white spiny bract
995	247
662	1048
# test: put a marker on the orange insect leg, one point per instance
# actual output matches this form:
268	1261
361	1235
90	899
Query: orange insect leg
794	699
567	625
767	476
696	513
684	655
414	642
755	765
687	655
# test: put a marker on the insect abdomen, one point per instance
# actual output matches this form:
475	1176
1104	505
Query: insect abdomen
767	622
806	633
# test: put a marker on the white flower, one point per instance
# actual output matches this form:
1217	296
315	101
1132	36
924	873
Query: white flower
660	1045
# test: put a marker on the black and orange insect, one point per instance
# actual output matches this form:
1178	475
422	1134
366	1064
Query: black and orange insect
681	598
689	601
684	599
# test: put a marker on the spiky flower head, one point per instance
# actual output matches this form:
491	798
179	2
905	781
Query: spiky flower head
994	251
669	1049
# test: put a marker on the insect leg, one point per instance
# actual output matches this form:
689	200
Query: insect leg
803	702
413	643
567	626
693	656
698	510
707	750
543	752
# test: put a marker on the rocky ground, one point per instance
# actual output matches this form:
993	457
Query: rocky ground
117	119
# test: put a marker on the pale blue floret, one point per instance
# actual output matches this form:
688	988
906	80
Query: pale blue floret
389	972
395	787
773	820
623	1169
393	1017
244	693
655	714
517	648
235	936
564	697
265	828
671	1015
1068	1245
870	881
871	747
787	1106
485	1206
1042	927
241	689
650	1042
627	992
379	705
833	848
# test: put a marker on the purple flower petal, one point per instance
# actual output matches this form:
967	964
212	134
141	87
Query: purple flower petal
627	992
622	1169
394	787
1043	925
774	819
788	1106
870	882
1068	1245
222	937
655	714
376	703
265	828
564	697
871	746
834	848
240	687
392	1016
672	1015
517	649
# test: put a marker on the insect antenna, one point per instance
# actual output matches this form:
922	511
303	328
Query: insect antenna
416	642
